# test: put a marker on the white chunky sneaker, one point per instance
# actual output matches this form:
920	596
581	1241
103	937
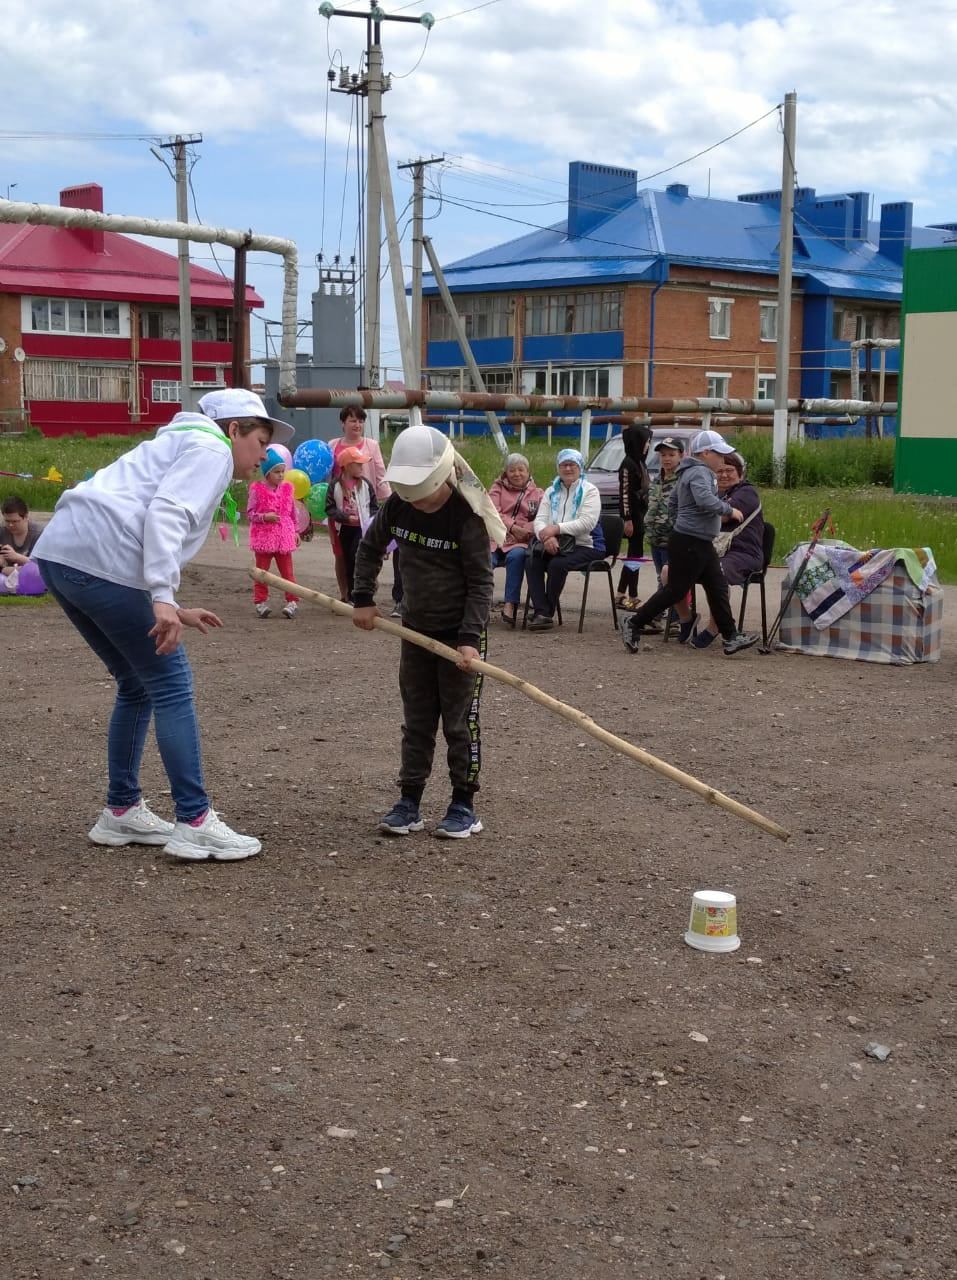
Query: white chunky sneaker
139	825
212	840
291	609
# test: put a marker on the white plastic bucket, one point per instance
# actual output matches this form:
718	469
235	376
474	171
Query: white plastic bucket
714	921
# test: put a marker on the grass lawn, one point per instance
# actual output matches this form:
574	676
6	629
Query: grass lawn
865	516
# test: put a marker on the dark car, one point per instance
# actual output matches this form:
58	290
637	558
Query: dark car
602	470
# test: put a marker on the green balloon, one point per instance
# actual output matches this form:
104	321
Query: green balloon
315	501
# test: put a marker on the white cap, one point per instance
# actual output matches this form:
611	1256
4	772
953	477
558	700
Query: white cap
422	460
710	440
227	403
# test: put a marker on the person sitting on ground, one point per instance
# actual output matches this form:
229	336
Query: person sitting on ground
516	497
633	486
746	552
567	536
18	533
350	506
692	558
658	518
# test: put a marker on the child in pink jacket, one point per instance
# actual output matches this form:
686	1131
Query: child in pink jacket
272	530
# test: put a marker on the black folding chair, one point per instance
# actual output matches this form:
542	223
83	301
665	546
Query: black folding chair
757	579
613	528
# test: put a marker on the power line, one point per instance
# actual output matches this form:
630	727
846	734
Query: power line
448	16
41	135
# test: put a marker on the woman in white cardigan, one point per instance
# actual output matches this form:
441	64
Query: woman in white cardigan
567	536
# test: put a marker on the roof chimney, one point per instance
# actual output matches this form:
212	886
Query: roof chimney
897	221
677	189
595	191
87	196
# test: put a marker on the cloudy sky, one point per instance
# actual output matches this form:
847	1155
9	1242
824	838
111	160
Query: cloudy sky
509	93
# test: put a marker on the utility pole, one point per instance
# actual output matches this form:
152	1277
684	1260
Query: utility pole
379	199
418	223
785	258
178	146
458	328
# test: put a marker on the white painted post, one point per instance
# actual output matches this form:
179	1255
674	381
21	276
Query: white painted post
584	443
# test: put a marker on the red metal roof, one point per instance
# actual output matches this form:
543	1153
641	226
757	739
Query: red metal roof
61	262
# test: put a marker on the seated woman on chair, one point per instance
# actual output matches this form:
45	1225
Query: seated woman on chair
746	553
515	496
567	536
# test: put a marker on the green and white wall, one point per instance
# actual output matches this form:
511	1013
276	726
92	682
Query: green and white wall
926	459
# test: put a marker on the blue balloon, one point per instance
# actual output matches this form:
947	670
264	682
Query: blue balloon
315	458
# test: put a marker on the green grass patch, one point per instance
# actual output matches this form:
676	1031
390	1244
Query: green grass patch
838	464
866	518
25	602
73	456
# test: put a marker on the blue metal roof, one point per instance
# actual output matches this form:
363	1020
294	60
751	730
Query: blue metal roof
660	228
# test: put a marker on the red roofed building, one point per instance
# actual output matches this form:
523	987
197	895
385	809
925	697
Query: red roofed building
90	327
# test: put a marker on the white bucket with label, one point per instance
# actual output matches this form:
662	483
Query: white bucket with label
714	921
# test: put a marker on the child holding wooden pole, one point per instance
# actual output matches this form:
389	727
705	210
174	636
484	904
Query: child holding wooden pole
442	519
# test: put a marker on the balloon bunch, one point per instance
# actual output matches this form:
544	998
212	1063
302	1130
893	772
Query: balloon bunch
307	470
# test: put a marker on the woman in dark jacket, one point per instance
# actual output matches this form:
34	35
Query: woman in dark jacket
746	552
633	485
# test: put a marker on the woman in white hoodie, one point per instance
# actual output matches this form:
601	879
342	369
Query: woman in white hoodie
111	556
567	536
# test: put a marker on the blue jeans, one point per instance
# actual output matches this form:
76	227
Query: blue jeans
514	562
115	622
659	558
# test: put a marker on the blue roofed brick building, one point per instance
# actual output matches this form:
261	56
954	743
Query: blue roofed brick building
669	294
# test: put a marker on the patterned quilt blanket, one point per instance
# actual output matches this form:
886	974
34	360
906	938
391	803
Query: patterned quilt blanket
839	577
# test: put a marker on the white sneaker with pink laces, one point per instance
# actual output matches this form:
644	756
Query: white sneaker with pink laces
138	825
211	840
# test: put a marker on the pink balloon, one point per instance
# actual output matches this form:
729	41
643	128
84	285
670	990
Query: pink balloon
303	518
283	453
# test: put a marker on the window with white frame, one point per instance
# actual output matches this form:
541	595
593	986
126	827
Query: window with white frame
766	384
76	380
75	315
572	382
165	391
718	384
719	317
769	321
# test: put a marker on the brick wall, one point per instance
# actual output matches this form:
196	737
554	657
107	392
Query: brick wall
684	351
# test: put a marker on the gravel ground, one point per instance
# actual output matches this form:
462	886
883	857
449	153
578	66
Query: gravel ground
356	1056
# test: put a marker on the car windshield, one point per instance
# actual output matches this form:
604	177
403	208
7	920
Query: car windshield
609	456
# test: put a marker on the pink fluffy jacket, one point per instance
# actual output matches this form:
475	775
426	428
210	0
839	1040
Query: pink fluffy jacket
265	500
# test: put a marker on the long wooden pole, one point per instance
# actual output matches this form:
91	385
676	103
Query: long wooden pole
577	718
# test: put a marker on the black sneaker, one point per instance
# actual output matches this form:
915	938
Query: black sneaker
703	639
402	818
687	629
630	633
541	622
740	640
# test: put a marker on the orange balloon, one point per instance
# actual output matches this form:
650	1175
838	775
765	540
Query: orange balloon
301	484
